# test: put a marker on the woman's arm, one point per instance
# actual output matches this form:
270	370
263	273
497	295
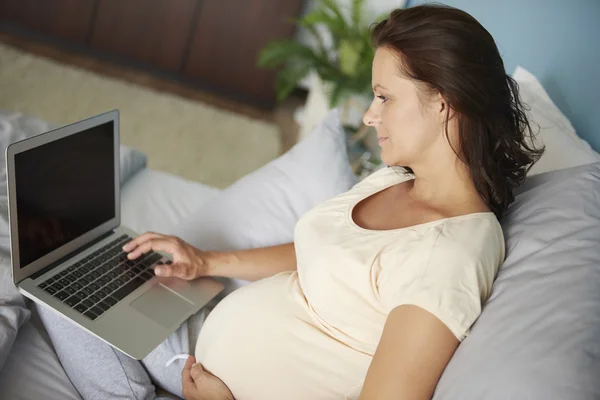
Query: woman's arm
191	263
414	349
253	264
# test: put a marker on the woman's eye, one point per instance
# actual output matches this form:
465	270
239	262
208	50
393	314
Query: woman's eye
382	98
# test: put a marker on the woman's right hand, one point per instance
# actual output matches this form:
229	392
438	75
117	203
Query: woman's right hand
188	262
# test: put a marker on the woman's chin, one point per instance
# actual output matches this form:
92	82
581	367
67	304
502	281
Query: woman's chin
387	159
391	161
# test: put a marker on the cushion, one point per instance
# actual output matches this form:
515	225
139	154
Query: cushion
158	201
261	209
130	162
33	371
13	311
564	148
538	336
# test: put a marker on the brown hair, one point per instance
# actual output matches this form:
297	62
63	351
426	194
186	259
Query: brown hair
449	52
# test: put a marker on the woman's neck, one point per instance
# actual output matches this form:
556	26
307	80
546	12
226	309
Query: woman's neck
446	186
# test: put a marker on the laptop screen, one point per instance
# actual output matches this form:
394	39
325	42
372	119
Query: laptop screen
64	189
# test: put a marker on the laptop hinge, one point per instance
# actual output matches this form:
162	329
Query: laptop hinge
70	255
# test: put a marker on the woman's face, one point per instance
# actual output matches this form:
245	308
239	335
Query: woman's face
407	125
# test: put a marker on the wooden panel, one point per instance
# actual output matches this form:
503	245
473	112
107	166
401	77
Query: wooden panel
151	31
67	19
228	37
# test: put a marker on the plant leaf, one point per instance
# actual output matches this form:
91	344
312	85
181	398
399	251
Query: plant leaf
357	12
335	93
282	51
312	29
345	66
349	55
320	16
333	7
288	78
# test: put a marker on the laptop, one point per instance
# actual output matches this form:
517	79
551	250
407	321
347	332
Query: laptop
66	240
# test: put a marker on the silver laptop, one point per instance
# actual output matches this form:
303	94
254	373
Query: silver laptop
66	239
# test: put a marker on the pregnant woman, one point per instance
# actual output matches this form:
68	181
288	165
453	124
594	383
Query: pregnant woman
382	282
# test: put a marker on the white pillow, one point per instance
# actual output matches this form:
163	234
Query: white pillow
261	209
564	148
159	201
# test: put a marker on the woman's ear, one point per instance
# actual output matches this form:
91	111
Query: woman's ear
445	112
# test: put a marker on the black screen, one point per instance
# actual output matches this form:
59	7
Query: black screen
64	189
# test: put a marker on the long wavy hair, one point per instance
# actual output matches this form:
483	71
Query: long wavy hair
448	52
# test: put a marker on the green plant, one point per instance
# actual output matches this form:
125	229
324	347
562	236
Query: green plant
345	68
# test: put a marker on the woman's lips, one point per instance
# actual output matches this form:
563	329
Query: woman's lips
381	139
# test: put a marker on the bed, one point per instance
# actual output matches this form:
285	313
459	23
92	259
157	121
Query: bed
513	351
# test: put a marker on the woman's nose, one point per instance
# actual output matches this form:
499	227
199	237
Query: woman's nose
371	117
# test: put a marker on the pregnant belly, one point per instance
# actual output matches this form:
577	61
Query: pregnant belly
262	343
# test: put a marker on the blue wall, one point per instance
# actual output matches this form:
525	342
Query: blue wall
558	41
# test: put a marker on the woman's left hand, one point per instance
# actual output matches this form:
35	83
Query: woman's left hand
199	384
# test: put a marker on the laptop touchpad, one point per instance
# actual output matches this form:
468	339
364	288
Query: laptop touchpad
162	306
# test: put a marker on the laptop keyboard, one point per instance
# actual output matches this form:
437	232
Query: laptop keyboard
95	284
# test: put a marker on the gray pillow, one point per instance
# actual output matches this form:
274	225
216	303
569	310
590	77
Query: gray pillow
538	336
13	311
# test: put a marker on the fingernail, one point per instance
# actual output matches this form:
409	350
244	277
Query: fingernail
127	246
130	255
158	271
194	365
